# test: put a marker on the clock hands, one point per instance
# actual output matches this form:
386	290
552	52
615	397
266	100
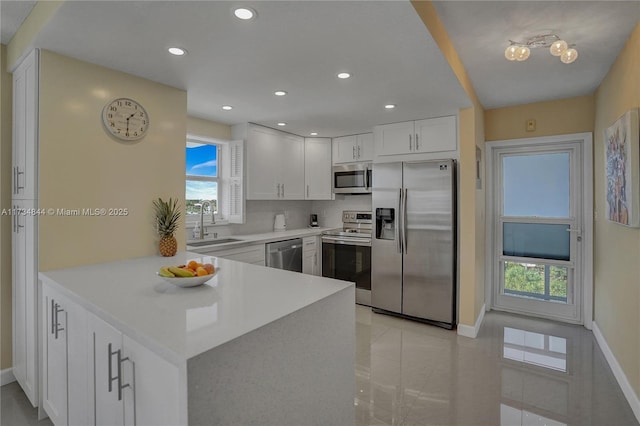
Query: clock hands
128	122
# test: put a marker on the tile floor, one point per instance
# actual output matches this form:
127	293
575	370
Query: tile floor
519	371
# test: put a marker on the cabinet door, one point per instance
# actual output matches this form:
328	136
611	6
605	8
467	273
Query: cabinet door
25	303
291	167
317	168
54	392
396	138
105	343
308	262
25	127
263	160
152	396
436	134
344	149
364	149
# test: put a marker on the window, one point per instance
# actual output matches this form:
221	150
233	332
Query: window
202	174
214	173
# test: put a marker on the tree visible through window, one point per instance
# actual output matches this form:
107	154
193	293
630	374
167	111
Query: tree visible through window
202	173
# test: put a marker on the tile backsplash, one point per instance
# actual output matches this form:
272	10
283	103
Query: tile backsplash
330	211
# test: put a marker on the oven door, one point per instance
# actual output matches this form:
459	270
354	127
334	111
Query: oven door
348	262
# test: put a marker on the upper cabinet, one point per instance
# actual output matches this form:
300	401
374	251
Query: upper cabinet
275	163
317	168
25	128
350	149
416	137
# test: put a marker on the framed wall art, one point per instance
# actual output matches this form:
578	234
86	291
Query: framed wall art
621	155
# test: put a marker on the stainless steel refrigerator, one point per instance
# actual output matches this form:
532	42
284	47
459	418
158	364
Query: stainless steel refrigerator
413	253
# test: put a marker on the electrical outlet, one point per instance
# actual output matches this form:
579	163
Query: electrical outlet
531	125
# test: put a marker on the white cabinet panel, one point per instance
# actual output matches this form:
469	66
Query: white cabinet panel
364	147
291	167
317	168
254	254
24	291
310	256
54	392
436	135
396	138
344	149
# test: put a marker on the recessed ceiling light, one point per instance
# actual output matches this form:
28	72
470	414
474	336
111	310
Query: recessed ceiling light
390	106
227	107
314	133
178	51
280	93
244	13
282	124
344	75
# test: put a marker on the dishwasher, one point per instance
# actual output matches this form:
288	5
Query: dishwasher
285	255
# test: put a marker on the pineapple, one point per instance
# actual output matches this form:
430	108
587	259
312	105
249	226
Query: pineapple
167	218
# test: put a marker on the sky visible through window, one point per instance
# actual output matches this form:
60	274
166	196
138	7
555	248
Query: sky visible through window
202	160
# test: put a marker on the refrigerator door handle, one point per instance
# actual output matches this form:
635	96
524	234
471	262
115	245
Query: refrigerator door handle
399	224
404	222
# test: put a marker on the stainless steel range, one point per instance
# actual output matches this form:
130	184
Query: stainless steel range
346	253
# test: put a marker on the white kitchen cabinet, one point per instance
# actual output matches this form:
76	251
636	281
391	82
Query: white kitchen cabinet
349	149
275	164
65	380
25	296
25	128
131	385
254	254
431	135
317	168
310	256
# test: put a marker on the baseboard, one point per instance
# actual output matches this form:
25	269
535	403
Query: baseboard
469	331
6	376
628	391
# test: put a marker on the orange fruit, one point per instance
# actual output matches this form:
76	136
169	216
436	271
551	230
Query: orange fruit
209	268
201	271
192	265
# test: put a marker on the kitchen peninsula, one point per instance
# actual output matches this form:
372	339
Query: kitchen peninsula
253	345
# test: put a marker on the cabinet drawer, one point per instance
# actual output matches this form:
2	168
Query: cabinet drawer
248	254
309	243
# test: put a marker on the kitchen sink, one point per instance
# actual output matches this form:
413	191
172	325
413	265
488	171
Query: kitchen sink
212	242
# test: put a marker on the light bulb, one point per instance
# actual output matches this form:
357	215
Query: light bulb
523	53
569	56
510	53
558	47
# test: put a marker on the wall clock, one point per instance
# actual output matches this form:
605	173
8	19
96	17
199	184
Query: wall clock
125	119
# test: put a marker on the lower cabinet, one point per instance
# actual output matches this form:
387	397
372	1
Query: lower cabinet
310	256
93	374
253	254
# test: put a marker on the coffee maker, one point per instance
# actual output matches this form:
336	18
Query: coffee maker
313	223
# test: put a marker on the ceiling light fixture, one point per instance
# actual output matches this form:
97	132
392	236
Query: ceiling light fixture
280	93
344	75
390	106
282	124
244	13
314	133
520	51
227	107
178	51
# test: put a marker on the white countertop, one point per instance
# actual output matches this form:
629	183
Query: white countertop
180	323
255	238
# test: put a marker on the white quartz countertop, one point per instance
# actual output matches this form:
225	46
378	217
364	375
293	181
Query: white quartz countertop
248	239
180	323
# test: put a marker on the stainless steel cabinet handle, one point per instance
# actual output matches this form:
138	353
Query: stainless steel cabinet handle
417	145
18	226
358	151
405	243
409	142
110	353
278	186
57	310
119	360
353	152
53	322
18	173
283	190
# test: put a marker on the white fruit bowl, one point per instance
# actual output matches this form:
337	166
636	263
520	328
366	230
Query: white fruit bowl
189	281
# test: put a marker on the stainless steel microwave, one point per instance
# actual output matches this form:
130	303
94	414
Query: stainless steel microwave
352	178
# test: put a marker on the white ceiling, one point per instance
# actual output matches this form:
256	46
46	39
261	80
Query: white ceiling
12	14
299	46
481	30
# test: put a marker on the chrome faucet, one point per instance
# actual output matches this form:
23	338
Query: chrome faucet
213	218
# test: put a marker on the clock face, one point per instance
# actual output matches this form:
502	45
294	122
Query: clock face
125	119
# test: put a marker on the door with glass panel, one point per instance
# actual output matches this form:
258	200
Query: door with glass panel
538	230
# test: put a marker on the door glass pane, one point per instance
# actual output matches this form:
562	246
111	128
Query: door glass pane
538	281
536	185
537	240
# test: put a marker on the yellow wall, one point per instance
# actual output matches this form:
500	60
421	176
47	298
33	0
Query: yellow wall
470	200
6	85
617	248
573	115
210	129
81	166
